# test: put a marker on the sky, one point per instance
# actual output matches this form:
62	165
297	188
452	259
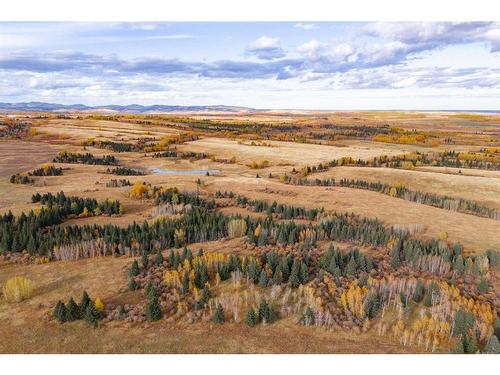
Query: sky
280	65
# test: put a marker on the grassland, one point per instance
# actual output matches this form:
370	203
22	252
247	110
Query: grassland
232	146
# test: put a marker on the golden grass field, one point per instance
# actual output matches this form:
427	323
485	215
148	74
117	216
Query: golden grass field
24	327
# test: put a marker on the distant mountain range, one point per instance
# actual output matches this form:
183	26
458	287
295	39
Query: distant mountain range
132	108
159	108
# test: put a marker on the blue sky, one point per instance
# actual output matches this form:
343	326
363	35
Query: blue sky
302	65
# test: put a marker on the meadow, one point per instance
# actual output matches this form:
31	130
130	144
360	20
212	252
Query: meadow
217	233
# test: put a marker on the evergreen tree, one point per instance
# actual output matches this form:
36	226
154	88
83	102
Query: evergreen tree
263	280
351	267
496	327
218	316
395	256
371	305
134	269
185	282
251	319
470	344
263	311
60	312
72	311
458	265
459	348
144	260
84	303
91	315
153	310
304	273
309	317
492	346
132	284
159	258
205	296
483	286
277	277
419	291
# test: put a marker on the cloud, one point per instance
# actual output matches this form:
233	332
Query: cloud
398	77
430	35
312	49
306	26
266	48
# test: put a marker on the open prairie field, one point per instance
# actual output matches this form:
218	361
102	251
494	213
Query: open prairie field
105	278
471	184
238	233
297	154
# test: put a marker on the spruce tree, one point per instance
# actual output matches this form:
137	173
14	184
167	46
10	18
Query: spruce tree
277	277
134	269
483	286
496	327
153	310
251	319
294	280
263	280
263	311
85	301
91	316
72	311
418	294
351	267
492	346
60	312
132	284
395	257
185	282
304	273
309	317
159	258
218	316
144	260
470	344
205	296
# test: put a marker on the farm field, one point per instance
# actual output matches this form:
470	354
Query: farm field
236	233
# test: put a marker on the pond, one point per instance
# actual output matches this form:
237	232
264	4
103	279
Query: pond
190	171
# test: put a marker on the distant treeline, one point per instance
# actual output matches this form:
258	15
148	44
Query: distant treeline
21	178
87	158
125	171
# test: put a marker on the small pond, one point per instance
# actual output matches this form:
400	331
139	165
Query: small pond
190	171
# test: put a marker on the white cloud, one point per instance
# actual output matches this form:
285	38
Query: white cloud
313	49
266	48
306	26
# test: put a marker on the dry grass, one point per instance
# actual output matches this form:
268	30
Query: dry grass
285	152
485	190
24	329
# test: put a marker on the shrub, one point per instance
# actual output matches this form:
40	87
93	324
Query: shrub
237	228
99	305
139	190
17	289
